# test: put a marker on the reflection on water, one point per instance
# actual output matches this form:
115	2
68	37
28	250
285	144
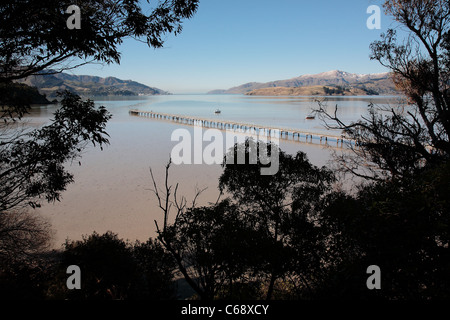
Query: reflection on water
112	187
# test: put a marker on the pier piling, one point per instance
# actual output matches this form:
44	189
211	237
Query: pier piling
220	124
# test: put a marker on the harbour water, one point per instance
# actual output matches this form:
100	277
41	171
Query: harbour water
112	188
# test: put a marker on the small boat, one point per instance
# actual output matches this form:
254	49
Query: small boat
217	111
310	117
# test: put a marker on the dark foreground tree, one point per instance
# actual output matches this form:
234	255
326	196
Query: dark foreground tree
401	221
215	248
402	226
34	35
113	269
35	39
33	170
23	236
285	206
197	239
33	161
263	237
398	140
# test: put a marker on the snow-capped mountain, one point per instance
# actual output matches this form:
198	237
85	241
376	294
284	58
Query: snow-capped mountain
378	82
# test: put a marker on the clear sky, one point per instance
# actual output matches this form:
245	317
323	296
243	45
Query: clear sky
231	42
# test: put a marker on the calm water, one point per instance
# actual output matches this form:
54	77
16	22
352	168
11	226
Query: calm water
112	189
289	112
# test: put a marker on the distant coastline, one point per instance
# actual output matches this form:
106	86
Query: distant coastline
335	82
25	93
50	83
312	91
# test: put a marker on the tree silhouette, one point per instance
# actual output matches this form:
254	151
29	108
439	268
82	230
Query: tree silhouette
399	140
35	40
114	269
283	206
34	36
33	161
401	225
264	232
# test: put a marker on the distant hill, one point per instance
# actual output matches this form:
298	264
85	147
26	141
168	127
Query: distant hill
21	94
85	85
380	83
311	91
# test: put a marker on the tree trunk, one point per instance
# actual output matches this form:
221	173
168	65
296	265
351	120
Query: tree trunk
271	285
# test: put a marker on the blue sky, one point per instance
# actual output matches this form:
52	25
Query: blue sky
231	42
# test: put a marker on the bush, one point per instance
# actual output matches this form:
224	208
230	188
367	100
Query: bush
114	269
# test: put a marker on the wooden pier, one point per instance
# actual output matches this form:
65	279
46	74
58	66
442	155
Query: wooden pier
284	133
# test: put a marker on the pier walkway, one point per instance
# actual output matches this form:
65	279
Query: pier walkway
284	133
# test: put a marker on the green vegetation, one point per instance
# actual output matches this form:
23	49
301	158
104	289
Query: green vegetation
338	90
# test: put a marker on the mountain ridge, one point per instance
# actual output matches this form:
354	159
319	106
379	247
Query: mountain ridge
86	85
379	83
311	91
